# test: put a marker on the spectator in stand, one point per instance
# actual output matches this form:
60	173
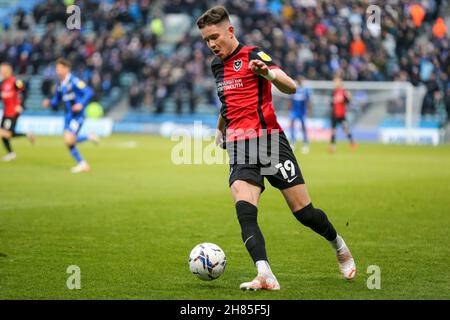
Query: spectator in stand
439	28
313	38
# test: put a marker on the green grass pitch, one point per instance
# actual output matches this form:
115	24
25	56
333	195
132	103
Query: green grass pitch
131	223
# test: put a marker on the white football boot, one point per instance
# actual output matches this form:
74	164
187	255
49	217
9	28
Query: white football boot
347	265
81	167
261	282
9	157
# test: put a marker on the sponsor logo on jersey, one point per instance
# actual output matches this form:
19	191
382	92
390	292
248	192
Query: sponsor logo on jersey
229	85
81	85
69	96
19	84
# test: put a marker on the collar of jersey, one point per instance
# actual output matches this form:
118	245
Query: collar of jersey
66	80
239	47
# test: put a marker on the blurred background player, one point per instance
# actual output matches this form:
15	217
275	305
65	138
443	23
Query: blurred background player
75	95
300	108
11	89
339	102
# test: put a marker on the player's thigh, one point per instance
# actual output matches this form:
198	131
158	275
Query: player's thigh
334	122
70	138
302	122
7	127
292	122
246	182
297	197
73	125
245	191
5	133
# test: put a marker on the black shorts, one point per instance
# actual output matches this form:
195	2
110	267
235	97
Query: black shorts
269	157
9	123
338	120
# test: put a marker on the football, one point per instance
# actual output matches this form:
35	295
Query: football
207	261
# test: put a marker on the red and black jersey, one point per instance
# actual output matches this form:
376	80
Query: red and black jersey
10	93
340	100
246	97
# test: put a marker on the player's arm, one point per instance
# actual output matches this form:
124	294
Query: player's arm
309	103
278	77
283	82
84	95
54	101
220	130
348	96
20	88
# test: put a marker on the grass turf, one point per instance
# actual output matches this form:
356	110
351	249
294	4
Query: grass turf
131	223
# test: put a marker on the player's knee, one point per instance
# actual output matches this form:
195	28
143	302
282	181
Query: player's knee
69	140
241	192
5	134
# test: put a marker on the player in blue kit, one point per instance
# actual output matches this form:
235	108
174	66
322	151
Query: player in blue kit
300	107
75	95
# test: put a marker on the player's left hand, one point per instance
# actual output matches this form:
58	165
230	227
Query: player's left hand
258	67
77	107
19	109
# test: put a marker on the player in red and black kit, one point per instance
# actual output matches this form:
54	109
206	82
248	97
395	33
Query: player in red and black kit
11	89
339	110
244	76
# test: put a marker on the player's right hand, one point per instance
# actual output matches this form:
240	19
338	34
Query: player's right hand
219	137
46	103
19	109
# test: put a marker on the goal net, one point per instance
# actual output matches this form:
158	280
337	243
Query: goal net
389	112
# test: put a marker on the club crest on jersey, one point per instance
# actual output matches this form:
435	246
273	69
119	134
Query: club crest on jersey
237	64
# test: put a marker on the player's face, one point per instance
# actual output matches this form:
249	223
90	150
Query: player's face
5	71
219	38
62	71
337	83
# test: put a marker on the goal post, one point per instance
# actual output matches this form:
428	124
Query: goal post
390	110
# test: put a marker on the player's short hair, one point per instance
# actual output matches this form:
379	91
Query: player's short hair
213	16
6	63
64	62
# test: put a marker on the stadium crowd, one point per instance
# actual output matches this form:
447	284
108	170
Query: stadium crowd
312	37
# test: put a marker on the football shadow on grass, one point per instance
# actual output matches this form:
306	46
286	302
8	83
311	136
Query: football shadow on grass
3	255
210	285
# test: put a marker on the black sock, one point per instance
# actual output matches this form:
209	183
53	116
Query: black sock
317	220
251	234
333	138
18	135
7	145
